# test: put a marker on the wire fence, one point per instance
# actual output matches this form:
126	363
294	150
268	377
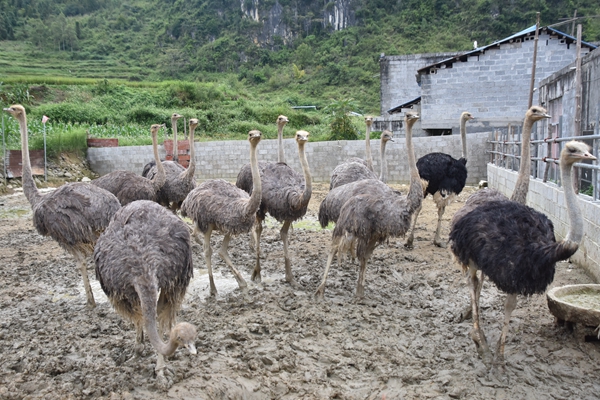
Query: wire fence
546	145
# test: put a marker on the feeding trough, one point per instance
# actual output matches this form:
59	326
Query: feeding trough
576	305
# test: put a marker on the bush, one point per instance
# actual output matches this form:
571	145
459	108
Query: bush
148	115
74	112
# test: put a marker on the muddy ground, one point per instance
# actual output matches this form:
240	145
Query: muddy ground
401	342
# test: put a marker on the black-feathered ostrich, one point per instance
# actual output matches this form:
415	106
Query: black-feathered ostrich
535	113
129	186
285	196
444	178
355	169
179	180
144	265
371	217
74	215
171	167
514	245
218	205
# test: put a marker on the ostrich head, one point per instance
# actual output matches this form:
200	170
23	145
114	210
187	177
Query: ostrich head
387	136
465	116
411	117
16	110
282	120
369	120
184	334
575	151
302	136
193	123
175	116
254	136
155	127
535	113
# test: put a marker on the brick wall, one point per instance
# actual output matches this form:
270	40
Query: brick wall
549	199
224	159
493	85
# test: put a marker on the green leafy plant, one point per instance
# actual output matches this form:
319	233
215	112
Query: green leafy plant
342	127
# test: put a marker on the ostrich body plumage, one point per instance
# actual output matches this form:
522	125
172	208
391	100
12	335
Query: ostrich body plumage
74	215
350	171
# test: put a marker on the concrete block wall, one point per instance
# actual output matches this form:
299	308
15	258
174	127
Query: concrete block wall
493	85
549	199
398	77
224	159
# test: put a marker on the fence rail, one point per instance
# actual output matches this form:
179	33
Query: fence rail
505	151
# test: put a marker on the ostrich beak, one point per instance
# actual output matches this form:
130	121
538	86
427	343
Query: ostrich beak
547	116
7	109
192	348
391	139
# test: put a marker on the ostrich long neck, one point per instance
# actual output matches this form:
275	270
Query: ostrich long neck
29	188
384	171
175	147
281	154
575	218
415	191
463	137
148	296
307	193
191	170
159	179
522	185
256	195
368	155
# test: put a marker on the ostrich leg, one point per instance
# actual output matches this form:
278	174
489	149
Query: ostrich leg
332	252
437	240
468	311
360	285
411	234
258	228
289	277
509	307
81	261
477	333
207	258
225	256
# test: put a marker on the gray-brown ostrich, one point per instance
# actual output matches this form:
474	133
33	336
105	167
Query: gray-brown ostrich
179	180
514	245
386	136
371	217
285	196
129	186
172	167
144	265
444	178
218	205
355	169
74	215
535	113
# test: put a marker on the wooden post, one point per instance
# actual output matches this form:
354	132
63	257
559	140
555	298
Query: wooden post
533	66
573	23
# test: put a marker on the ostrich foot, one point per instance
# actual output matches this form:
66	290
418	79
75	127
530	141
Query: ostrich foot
440	243
409	243
482	347
138	349
164	380
256	277
320	293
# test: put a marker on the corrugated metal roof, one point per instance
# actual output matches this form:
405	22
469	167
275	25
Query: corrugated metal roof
408	104
479	50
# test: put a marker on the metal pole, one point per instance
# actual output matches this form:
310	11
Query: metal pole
45	160
4	151
577	122
535	46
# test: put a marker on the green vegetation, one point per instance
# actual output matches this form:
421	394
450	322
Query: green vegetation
111	68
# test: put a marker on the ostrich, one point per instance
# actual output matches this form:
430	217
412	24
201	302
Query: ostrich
354	169
370	217
535	113
179	180
281	121
174	167
514	245
74	215
144	265
218	205
330	207
285	196
128	186
444	178
386	136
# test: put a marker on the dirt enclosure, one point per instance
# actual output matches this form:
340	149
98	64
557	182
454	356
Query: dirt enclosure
402	341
